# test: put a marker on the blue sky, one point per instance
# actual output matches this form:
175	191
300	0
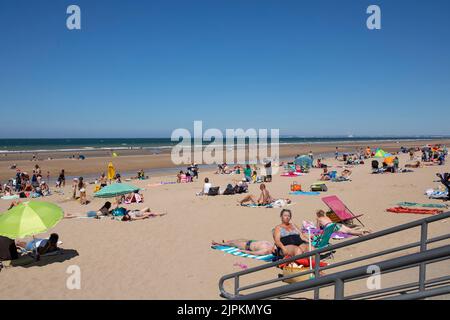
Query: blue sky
144	68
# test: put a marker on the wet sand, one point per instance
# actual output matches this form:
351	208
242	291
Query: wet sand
130	161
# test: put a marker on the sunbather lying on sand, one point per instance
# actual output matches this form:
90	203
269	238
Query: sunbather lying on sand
346	173
42	246
417	164
255	247
141	214
323	221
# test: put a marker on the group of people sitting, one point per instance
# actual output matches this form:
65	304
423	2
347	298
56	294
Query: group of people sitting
436	154
288	239
25	186
237	188
264	199
120	213
332	175
188	176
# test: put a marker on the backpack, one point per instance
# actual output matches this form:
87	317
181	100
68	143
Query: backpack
319	187
213	191
229	190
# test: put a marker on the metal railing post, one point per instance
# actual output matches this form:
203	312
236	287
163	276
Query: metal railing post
339	289
316	275
236	285
423	247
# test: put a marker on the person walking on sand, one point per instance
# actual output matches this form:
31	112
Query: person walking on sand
62	179
82	189
74	188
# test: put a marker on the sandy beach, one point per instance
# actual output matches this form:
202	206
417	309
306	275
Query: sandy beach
170	257
130	161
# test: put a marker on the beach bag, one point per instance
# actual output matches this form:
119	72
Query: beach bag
229	190
296	187
119	212
8	250
213	191
293	269
321	187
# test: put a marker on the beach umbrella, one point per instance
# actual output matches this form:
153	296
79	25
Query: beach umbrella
116	189
111	171
389	160
303	161
29	218
380	153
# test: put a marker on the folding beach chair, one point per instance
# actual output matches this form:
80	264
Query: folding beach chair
340	210
323	239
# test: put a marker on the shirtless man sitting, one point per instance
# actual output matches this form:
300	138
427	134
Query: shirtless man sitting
264	198
323	221
255	247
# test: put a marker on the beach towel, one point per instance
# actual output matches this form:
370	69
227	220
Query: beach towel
235	252
424	205
162	183
340	179
12	197
414	211
292	174
305	193
254	205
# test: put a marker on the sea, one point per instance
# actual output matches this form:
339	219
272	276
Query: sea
159	144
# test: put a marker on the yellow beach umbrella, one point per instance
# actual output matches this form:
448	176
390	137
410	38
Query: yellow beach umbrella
111	171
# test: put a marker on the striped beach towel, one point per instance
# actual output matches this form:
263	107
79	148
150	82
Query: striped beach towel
235	252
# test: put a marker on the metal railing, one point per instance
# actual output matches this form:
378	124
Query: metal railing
338	279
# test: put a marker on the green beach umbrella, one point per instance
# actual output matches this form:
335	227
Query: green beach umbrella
29	218
115	189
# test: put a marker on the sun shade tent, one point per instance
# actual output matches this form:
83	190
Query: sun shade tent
116	189
380	153
389	160
340	209
29	218
303	161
